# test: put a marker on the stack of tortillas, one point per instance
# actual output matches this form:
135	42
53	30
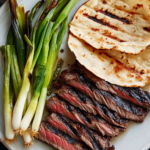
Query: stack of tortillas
111	38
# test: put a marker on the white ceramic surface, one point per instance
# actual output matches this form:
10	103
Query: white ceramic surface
136	137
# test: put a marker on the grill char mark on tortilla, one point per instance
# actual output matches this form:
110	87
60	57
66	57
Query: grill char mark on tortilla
104	2
108	34
124	20
146	29
103	22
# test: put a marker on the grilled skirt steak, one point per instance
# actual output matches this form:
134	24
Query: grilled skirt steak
57	139
80	132
85	103
76	81
60	123
133	95
56	105
103	126
124	108
77	99
111	116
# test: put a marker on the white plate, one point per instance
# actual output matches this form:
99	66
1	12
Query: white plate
136	137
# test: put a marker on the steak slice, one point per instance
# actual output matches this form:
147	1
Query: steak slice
56	105
57	139
98	142
76	81
103	126
133	95
111	116
124	108
60	123
77	99
80	132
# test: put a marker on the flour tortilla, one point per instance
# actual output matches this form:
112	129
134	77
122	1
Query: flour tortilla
115	67
113	25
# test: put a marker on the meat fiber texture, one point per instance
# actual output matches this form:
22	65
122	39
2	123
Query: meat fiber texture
80	132
56	105
77	99
81	83
57	139
123	108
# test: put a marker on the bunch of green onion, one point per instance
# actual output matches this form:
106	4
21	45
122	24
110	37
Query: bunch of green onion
30	57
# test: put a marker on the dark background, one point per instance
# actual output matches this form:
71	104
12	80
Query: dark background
2	1
1	145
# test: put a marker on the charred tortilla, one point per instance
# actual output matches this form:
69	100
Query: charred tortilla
115	67
112	25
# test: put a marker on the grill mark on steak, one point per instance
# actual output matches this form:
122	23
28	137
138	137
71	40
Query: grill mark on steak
77	99
103	111
58	106
124	20
57	139
133	95
97	140
85	130
79	83
60	123
123	108
64	125
76	81
103	126
89	137
111	116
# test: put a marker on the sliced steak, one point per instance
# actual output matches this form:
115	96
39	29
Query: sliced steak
103	126
124	108
74	80
134	95
77	99
111	116
56	105
83	102
80	132
89	135
57	139
60	123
